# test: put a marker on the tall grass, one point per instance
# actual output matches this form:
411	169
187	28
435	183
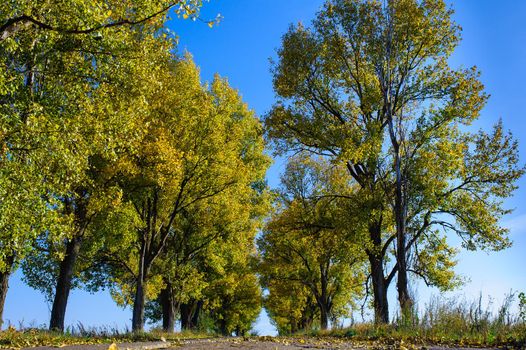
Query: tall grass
451	321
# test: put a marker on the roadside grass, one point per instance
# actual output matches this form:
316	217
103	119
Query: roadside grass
13	338
450	322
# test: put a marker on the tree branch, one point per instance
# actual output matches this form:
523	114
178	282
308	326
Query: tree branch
13	25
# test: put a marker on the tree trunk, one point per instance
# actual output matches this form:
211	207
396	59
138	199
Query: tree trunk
184	310
138	306
223	328
324	317
381	305
140	297
190	314
400	216
380	283
402	283
323	299
4	285
167	304
67	265
196	313
307	315
293	326
404	298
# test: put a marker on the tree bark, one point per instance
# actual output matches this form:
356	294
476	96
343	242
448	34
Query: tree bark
381	305
167	304
380	283
186	316
404	298
196	313
138	306
324	317
323	298
190	314
63	288
223	328
4	285
140	297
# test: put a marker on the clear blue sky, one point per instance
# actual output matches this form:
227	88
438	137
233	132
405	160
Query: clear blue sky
494	39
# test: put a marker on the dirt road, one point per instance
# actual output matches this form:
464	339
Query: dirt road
261	343
277	344
268	343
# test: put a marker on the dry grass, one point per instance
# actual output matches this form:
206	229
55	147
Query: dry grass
449	322
29	337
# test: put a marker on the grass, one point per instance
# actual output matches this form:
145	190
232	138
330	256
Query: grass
13	338
447	322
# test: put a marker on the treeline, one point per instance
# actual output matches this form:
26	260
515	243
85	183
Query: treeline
121	170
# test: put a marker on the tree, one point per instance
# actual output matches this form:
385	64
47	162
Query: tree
201	144
101	134
212	241
232	298
327	110
306	243
290	306
54	61
369	85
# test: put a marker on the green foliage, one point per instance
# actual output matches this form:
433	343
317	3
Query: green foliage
369	87
57	81
195	176
96	101
309	246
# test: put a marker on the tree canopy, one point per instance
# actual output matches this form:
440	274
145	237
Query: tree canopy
368	85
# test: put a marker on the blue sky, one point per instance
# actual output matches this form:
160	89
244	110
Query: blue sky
494	39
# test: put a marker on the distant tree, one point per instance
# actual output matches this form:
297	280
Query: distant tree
370	86
290	306
307	243
232	299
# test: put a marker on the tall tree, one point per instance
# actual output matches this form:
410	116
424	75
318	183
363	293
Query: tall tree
201	144
329	106
369	85
52	60
427	105
101	133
